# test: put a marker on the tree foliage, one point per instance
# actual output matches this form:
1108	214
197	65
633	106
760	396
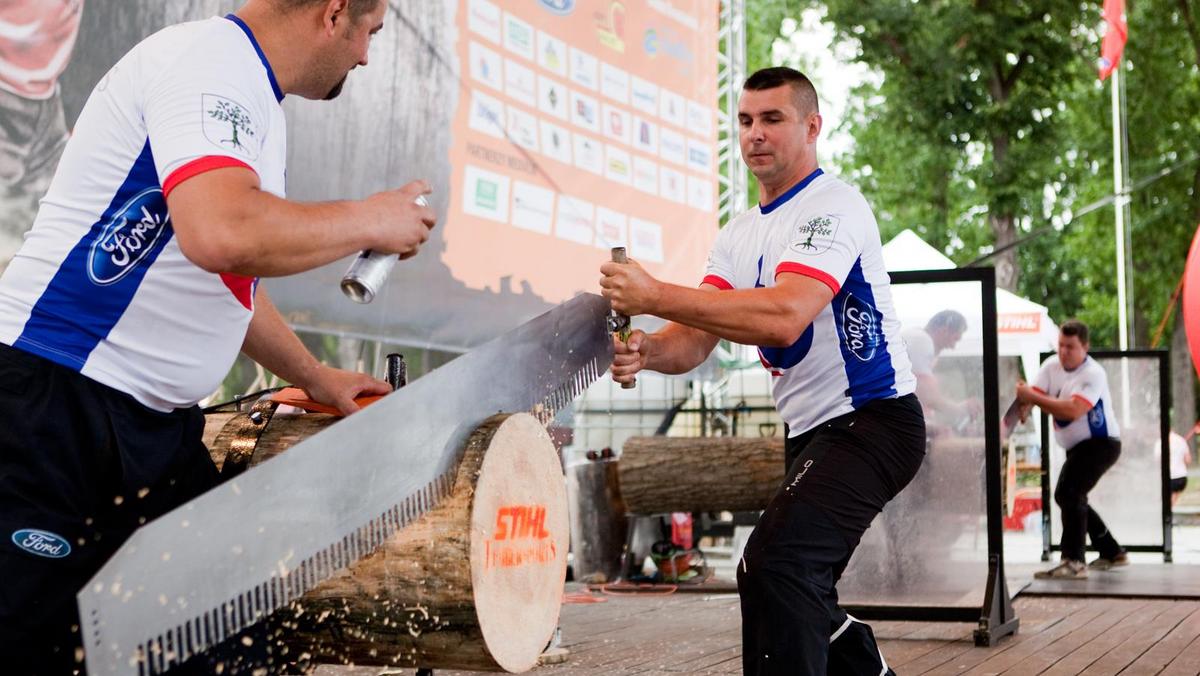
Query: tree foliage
990	124
966	127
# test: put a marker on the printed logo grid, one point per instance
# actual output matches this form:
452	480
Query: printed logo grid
559	102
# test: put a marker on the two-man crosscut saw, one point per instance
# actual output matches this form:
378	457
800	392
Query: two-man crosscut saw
210	568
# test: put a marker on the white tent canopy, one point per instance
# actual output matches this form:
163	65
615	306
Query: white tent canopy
1024	328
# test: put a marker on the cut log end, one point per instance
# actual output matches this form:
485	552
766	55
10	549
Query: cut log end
520	534
475	583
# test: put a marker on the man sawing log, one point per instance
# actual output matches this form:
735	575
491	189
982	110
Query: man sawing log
137	286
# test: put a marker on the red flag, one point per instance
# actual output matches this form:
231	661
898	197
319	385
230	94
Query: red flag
1114	36
1191	301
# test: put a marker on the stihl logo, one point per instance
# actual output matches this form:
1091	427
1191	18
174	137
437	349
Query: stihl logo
1019	322
521	522
521	538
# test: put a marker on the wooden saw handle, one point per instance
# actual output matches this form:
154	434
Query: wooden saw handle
618	256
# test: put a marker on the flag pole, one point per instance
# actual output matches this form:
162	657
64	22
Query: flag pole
1112	46
1121	210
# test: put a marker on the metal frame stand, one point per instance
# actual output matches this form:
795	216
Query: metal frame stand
1164	402
995	618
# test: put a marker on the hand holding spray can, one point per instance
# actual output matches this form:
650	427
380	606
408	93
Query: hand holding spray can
369	272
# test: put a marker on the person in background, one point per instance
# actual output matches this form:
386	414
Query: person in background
1072	388
37	38
138	285
1181	457
942	332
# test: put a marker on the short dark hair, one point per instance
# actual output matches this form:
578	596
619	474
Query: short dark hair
778	76
1074	327
947	319
357	7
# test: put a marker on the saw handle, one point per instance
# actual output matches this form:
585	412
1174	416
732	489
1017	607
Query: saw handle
396	371
618	256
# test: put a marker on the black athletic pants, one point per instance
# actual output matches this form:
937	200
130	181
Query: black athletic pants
840	476
81	467
1086	462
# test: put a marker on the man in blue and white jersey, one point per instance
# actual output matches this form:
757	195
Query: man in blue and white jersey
1072	388
802	276
137	287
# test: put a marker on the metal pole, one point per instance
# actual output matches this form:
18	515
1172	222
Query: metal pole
1121	200
1124	243
733	183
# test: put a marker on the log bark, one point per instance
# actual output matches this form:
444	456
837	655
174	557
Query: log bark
674	474
475	584
598	524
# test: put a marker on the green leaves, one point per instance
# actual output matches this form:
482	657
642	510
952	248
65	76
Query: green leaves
990	123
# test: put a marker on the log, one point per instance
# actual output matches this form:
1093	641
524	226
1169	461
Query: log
598	524
711	474
475	584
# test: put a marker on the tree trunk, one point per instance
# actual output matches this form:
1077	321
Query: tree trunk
1000	217
474	584
1005	230
672	474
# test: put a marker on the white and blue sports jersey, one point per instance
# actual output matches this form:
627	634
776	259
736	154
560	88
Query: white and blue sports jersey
1087	383
852	352
100	284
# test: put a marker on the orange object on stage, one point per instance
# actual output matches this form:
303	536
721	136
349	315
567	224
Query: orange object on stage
294	396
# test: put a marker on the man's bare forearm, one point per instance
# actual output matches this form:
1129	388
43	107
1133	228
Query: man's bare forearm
226	224
272	343
677	349
267	236
1060	409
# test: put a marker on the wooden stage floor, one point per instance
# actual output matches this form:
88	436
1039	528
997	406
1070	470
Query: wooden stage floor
1059	635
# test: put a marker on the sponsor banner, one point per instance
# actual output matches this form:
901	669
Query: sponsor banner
609	108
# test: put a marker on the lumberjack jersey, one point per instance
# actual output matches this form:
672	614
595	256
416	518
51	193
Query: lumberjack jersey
922	354
36	38
100	284
852	352
1087	383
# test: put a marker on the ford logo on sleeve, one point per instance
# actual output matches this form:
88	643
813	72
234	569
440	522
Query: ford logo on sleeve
860	326
128	237
41	543
1096	420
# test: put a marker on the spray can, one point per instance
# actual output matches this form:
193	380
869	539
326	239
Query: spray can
369	271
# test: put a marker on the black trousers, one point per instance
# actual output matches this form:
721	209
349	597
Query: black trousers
840	476
1086	462
83	465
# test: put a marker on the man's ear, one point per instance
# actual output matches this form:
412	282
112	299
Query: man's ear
335	11
814	127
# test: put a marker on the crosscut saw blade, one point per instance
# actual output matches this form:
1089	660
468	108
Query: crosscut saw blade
212	567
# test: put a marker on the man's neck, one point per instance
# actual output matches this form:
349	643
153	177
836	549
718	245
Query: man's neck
272	29
769	191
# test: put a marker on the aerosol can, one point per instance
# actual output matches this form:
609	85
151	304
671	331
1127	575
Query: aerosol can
369	272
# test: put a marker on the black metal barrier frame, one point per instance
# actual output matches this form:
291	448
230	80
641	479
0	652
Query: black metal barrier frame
996	618
1164	402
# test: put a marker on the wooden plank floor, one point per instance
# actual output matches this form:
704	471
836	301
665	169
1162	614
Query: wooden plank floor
1173	581
699	634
